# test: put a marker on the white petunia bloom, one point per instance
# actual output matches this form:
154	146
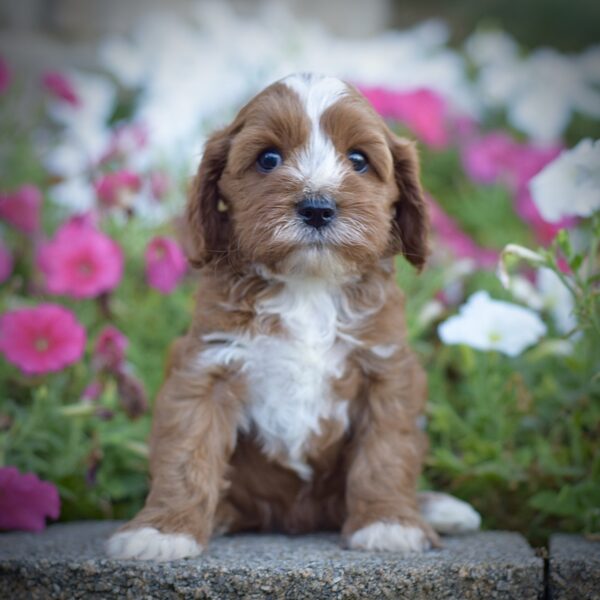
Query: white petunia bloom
487	324
569	185
557	299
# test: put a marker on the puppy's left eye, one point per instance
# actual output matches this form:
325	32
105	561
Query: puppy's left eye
359	161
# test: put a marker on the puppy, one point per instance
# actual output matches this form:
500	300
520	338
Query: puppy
293	402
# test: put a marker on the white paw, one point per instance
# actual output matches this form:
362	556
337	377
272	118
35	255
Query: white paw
389	536
447	514
148	543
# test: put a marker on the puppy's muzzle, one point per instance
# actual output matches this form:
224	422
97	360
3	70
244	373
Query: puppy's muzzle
317	211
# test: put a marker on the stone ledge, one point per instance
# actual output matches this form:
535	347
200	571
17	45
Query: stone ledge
67	561
574	568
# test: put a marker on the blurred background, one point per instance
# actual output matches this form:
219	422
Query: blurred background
104	110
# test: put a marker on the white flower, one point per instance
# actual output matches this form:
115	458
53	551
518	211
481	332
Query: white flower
487	47
487	324
542	91
557	299
569	185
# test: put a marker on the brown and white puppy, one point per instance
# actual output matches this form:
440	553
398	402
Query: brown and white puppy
293	402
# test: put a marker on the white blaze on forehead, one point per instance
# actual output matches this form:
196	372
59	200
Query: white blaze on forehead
317	163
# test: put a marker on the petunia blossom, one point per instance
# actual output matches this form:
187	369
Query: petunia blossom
26	501
109	351
6	262
21	208
41	340
422	110
570	185
487	324
165	264
59	86
80	261
5	76
114	189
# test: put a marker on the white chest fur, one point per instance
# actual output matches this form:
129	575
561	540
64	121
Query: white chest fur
289	376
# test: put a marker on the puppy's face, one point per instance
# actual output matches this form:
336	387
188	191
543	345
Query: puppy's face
308	180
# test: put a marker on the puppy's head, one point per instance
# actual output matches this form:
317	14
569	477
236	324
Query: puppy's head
307	179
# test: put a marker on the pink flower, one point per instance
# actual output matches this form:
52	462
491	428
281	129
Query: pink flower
41	340
6	262
21	208
113	188
423	111
5	76
80	261
109	352
486	158
457	240
165	264
59	86
497	155
544	231
26	501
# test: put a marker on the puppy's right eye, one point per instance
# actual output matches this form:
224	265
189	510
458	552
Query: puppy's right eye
269	160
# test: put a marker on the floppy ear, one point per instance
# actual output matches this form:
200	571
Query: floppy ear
410	226
207	222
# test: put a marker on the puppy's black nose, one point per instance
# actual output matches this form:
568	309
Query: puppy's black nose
316	211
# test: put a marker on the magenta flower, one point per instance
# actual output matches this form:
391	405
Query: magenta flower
457	240
80	261
114	188
423	111
59	86
6	262
165	264
41	340
21	208
26	501
5	76
485	159
109	351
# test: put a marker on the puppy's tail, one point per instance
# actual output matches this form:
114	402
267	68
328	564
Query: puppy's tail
447	514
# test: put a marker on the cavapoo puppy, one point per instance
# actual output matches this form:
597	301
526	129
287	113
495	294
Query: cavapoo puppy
293	403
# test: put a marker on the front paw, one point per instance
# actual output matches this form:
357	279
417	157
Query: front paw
148	543
395	537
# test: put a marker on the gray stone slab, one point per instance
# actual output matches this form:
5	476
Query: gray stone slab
67	561
574	568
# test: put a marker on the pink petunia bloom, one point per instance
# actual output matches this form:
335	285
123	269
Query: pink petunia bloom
80	261
165	264
60	87
544	231
487	158
114	188
5	76
41	340
6	262
21	208
423	111
26	501
109	351
457	240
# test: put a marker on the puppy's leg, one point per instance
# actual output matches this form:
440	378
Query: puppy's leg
193	436
447	514
381	499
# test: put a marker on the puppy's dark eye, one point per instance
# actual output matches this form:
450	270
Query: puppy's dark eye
359	161
269	160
